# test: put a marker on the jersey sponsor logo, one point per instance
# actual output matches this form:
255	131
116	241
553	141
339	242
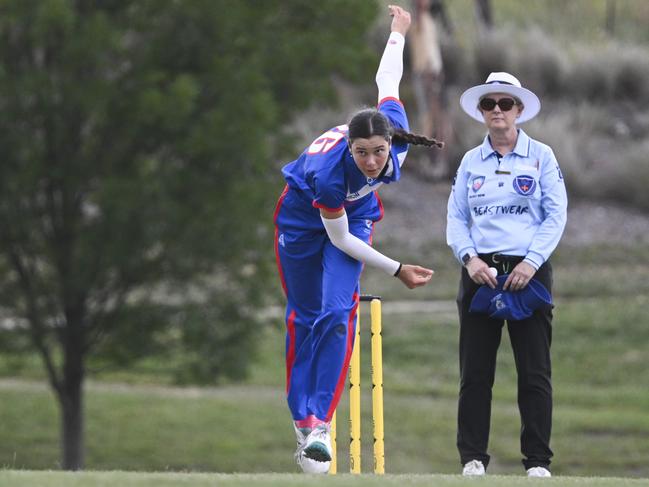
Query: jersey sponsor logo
524	185
280	240
500	210
365	190
477	183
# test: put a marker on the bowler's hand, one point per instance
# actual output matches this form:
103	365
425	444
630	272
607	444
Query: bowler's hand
414	276
479	273
400	19
519	277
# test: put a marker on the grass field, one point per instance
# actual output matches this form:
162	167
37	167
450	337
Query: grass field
601	425
130	479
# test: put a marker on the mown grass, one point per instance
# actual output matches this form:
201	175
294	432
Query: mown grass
130	479
600	424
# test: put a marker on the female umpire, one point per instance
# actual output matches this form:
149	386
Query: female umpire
507	210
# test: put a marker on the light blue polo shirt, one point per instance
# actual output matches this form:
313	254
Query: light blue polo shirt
515	204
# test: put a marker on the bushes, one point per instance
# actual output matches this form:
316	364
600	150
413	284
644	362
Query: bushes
594	115
598	162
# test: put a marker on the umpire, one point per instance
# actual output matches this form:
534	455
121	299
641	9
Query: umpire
507	210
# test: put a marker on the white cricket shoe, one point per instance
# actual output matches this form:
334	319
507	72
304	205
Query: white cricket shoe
473	468
313	452
308	465
538	472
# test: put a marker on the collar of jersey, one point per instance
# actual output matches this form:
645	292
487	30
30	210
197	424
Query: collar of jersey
522	147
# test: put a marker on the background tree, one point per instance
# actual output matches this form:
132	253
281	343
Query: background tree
484	15
138	176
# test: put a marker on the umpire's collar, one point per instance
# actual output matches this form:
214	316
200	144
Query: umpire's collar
522	147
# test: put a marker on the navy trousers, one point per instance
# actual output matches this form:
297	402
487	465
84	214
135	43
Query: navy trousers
530	339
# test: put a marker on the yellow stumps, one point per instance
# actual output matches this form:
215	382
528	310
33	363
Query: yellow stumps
355	395
377	386
355	401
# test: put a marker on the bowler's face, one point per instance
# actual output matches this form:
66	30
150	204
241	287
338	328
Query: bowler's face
371	155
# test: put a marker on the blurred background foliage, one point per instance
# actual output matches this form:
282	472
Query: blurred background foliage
589	63
165	126
139	140
142	142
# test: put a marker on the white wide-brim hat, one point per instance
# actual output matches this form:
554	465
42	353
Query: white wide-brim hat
500	83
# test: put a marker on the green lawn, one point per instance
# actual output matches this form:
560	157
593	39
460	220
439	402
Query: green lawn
601	425
130	479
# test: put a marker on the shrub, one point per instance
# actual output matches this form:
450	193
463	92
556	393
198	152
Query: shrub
624	176
596	164
492	53
454	59
538	64
590	78
631	75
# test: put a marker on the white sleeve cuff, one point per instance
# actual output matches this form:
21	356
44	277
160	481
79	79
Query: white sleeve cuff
338	232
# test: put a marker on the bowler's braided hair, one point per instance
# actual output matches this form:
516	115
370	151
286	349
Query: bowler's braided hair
370	122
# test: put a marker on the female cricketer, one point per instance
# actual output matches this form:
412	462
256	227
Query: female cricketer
324	221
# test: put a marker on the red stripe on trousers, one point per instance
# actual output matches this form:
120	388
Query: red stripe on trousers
279	264
290	352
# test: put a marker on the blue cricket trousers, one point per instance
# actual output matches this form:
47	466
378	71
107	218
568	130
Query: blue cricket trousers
321	284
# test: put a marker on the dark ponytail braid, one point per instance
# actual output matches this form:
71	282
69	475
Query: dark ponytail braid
370	122
414	139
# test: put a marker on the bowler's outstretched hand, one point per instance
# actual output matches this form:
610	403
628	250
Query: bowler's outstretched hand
414	275
400	19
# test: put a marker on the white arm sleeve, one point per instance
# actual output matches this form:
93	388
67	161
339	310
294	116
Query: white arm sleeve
338	231
390	69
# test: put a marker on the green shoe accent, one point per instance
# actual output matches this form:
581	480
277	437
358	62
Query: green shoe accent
317	451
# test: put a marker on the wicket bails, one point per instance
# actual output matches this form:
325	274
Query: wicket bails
355	395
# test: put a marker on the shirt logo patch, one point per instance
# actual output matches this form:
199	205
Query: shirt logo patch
280	240
524	185
477	183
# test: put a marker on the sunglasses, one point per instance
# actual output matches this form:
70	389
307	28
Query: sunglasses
505	104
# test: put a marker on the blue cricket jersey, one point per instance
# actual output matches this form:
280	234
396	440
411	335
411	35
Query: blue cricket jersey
514	204
326	176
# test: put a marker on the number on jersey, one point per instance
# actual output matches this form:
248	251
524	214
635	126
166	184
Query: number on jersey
326	141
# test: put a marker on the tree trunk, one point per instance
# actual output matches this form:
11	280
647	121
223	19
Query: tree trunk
610	17
71	402
484	14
